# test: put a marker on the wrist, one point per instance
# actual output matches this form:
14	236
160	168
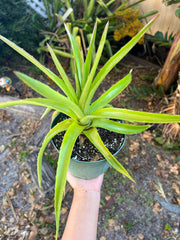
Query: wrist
87	194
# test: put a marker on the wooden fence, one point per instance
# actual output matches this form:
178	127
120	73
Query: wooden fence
167	21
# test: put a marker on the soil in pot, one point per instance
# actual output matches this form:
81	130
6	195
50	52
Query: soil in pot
84	150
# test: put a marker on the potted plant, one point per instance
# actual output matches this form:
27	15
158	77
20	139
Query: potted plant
86	161
84	114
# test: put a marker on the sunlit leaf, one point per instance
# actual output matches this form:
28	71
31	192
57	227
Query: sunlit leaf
109	65
111	93
44	103
77	56
135	116
88	60
64	76
88	83
63	162
45	113
48	92
30	58
60	127
119	127
94	137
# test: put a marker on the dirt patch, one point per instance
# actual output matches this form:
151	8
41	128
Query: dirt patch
133	211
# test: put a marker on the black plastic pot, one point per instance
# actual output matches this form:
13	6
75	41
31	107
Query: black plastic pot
85	169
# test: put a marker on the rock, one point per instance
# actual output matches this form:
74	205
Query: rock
32	111
32	236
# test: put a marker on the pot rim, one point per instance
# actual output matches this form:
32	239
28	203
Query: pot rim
54	122
101	160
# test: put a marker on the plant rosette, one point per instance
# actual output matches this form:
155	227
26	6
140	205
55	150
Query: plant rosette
85	115
86	161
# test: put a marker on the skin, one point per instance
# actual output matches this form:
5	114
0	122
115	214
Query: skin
83	216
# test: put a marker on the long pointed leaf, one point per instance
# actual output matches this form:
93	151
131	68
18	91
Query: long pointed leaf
68	5
85	10
90	8
63	162
30	58
105	7
119	127
94	137
110	2
44	103
88	60
122	5
45	113
111	93
48	92
64	17
88	83
40	87
59	52
62	73
77	56
47	7
134	116
114	60
60	127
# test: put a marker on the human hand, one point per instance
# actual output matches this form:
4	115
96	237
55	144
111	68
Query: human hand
83	185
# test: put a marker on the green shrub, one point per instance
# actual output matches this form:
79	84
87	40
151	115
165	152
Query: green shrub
16	23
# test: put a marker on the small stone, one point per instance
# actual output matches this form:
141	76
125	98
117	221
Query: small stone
63	210
156	208
32	235
102	238
5	203
111	223
107	197
158	157
37	206
49	219
11	192
2	148
117	228
143	152
126	160
11	220
140	236
175	187
176	230
3	219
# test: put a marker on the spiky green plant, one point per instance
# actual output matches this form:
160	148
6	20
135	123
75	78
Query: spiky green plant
85	115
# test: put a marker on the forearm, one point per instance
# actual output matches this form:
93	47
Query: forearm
83	216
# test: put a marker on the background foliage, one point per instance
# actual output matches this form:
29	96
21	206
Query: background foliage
16	23
80	22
